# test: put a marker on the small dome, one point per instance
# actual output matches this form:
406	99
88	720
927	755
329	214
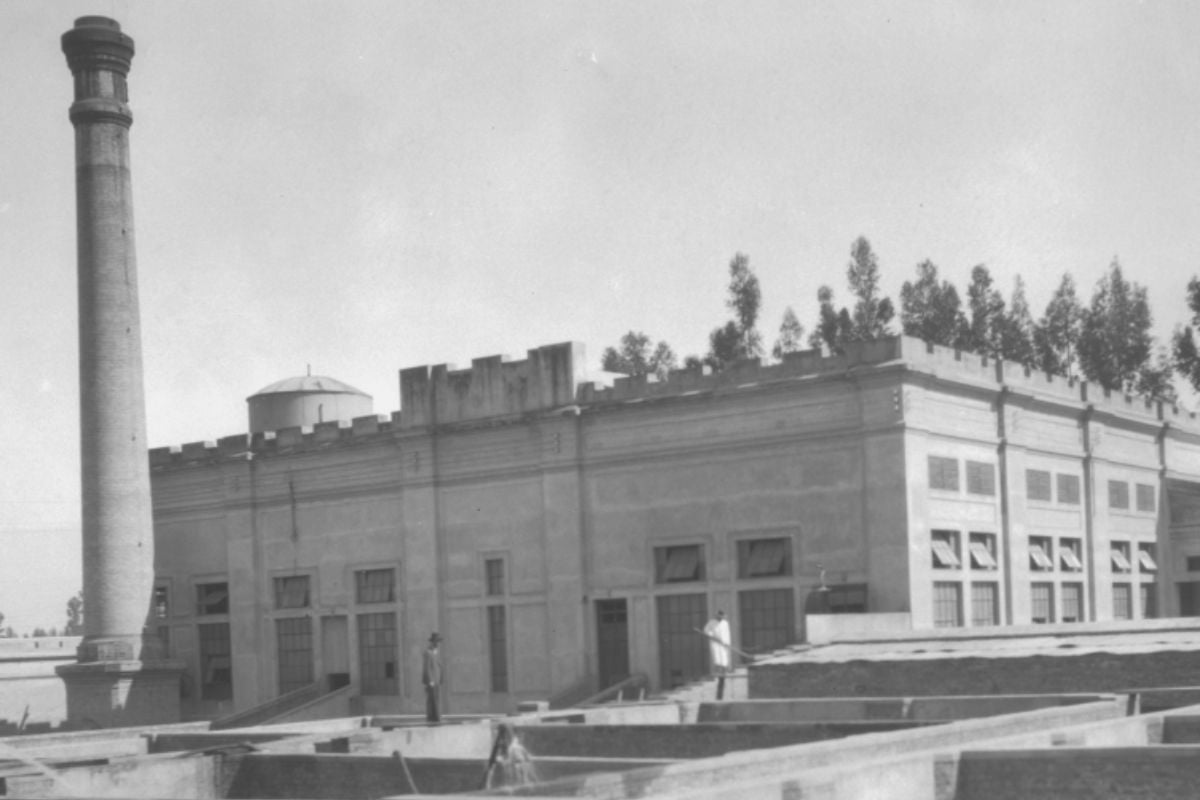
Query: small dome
309	383
305	400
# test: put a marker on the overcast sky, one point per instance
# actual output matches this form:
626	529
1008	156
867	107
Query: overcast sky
369	186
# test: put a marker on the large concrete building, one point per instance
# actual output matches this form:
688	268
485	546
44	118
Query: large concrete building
560	534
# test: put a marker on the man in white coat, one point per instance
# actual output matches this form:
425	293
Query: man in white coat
719	641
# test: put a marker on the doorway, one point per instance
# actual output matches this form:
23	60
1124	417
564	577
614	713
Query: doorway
612	640
335	651
682	649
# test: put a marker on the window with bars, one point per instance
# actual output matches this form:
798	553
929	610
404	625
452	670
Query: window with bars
678	564
216	666
981	478
1122	601
1037	485
377	653
943	473
1119	553
375	586
1072	602
493	574
294	641
498	647
1041	597
1118	494
947	605
983	551
1041	550
1149	601
1147	497
1069	552
1146	562
212	598
764	558
291	591
1068	489
985	607
945	549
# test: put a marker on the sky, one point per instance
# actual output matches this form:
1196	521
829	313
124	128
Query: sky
359	187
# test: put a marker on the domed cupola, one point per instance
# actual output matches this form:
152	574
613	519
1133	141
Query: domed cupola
305	401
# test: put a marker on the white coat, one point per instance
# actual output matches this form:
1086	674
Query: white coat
719	642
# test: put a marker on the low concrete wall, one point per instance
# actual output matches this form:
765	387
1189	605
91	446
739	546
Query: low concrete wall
825	628
1158	772
1181	729
780	765
1089	672
926	709
437	741
137	778
688	741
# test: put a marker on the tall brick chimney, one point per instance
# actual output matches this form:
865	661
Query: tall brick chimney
121	677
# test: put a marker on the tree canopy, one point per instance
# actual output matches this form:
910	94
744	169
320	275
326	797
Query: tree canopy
636	356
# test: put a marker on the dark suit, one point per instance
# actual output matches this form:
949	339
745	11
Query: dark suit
431	676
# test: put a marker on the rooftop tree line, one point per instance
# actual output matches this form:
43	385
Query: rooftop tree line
1107	341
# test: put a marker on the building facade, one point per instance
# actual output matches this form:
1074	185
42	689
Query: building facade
560	534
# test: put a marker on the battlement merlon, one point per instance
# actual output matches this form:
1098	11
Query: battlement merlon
493	386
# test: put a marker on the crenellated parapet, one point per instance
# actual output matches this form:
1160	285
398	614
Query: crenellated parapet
497	389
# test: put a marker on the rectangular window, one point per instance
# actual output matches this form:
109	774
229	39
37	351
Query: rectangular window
493	574
1149	604
678	564
981	478
764	558
294	639
1122	608
947	605
1193	563
1037	485
375	586
212	598
1040	553
1068	490
162	601
216	667
983	551
498	647
1120	557
984	605
1041	602
1118	494
1072	602
1069	555
1146	562
377	653
943	473
945	549
1146	497
291	592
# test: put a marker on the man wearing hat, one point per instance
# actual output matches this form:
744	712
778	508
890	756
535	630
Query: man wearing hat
431	676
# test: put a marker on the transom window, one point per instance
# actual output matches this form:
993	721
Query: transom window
764	558
212	598
1119	552
983	551
292	592
981	478
943	473
1040	553
375	585
945	549
1146	562
1037	485
493	574
678	563
1068	555
162	604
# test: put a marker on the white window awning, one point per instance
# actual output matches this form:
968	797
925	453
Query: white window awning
944	554
1119	560
1069	559
1146	561
1037	554
981	556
